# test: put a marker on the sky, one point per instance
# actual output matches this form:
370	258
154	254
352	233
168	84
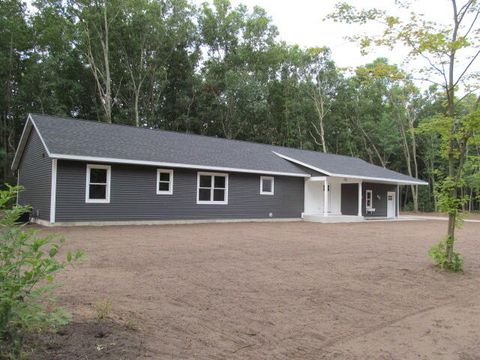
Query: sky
303	22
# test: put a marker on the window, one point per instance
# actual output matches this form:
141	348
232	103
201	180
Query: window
266	185
368	199
98	184
164	182
212	188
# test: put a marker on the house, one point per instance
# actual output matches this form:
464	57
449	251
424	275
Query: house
77	171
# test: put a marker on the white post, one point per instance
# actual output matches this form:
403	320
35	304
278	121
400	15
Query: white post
397	199
53	192
325	198
360	198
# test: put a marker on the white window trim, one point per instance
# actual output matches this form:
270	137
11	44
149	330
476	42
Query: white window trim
87	184
262	192
368	198
211	202
170	186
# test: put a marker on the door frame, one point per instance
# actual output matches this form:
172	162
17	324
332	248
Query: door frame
394	197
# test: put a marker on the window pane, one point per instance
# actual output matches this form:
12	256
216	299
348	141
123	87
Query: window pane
164	176
98	192
204	194
220	182
267	185
205	181
98	175
164	186
218	195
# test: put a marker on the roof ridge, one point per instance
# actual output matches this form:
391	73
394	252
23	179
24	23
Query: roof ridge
189	134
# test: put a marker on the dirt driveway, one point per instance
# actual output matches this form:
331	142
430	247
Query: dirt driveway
281	290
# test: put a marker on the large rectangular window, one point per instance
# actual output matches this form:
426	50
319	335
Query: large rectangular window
164	182
98	184
212	188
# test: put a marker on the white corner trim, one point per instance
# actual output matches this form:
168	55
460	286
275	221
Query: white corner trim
108	184
262	192
170	182
404	182
53	192
212	188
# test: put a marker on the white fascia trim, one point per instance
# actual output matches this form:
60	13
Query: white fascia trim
398	182
401	182
172	165
303	164
53	192
23	141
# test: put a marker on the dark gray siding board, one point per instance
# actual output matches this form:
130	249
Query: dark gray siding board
35	175
133	196
349	199
380	205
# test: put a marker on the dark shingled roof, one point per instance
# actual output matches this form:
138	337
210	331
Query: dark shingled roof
66	138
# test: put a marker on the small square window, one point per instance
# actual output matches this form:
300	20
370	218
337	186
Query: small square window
267	185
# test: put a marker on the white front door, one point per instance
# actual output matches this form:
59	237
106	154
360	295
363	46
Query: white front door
390	204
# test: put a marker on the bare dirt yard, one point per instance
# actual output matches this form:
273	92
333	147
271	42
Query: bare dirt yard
271	291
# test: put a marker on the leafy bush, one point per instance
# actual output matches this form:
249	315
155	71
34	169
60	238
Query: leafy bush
28	262
438	253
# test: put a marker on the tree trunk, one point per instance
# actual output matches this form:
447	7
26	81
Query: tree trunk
108	80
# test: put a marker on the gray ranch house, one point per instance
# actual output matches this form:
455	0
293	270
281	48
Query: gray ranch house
77	171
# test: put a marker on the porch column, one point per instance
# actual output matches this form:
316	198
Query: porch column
360	198
325	198
397	199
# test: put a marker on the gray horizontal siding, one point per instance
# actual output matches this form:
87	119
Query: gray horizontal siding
378	190
349	198
133	196
35	173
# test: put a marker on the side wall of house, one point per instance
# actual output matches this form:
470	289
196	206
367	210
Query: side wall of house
35	175
133	196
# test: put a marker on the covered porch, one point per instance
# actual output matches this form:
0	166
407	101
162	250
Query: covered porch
341	199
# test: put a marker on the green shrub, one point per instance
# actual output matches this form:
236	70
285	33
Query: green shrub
28	263
438	253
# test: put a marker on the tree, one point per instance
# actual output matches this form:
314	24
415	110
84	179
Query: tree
450	51
322	77
15	42
95	21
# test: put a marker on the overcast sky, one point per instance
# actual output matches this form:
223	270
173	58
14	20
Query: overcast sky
302	22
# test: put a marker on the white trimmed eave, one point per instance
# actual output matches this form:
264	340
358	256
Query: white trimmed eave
355	177
173	165
31	123
23	141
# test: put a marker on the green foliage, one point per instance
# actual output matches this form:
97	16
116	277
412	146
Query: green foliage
438	253
28	263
